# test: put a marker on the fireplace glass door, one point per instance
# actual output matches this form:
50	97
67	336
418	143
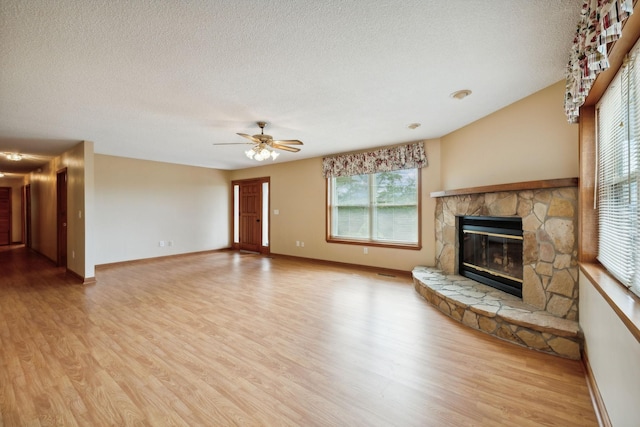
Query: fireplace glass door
491	251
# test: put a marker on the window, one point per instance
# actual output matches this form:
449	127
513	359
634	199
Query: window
379	208
618	139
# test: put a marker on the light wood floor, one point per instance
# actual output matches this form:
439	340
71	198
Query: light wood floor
225	338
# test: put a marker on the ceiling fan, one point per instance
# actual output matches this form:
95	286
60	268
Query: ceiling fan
263	145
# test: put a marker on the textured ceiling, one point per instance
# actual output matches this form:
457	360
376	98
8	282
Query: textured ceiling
164	80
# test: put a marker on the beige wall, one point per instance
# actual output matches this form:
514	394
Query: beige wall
43	210
43	207
525	141
298	192
89	211
123	211
613	354
74	160
522	134
138	203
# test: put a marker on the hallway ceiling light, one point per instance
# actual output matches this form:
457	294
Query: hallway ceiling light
1	174
14	156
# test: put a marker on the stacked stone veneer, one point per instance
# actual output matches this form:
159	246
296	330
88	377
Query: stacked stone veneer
494	312
549	222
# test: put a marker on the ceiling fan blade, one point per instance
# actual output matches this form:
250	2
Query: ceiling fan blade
289	142
285	147
232	143
254	139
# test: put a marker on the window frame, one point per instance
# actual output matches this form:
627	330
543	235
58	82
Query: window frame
370	242
623	302
616	176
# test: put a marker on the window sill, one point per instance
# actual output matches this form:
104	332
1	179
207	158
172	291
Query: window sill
625	304
414	247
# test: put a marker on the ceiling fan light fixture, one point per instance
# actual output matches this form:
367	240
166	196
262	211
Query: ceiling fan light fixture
265	147
265	153
260	153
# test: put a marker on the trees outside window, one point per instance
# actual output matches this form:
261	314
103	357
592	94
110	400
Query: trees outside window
379	208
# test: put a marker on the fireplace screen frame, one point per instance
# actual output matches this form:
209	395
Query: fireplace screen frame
506	228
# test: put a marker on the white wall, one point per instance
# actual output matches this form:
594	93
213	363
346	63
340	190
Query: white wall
614	356
139	203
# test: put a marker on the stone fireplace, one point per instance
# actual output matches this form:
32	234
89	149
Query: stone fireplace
543	316
549	245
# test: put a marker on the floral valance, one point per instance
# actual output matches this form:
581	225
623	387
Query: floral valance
600	24
382	160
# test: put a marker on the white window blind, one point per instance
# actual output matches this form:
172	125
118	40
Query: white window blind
618	133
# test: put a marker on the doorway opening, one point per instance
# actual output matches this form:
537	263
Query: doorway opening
26	204
251	225
5	216
61	207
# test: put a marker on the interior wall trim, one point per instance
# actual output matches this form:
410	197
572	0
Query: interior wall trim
371	269
596	398
83	280
143	260
516	186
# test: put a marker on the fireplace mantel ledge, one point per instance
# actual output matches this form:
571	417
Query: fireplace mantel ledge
516	186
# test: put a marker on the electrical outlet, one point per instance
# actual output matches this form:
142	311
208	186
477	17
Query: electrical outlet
297	242
170	243
366	250
302	244
161	243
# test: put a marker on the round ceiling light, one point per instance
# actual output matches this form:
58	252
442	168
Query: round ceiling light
460	94
14	157
414	125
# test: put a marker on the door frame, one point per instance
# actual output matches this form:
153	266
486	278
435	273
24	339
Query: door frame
62	216
264	249
10	215
26	216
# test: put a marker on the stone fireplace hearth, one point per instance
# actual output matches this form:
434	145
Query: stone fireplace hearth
549	305
550	246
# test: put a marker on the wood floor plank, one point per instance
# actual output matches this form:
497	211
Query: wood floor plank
227	339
